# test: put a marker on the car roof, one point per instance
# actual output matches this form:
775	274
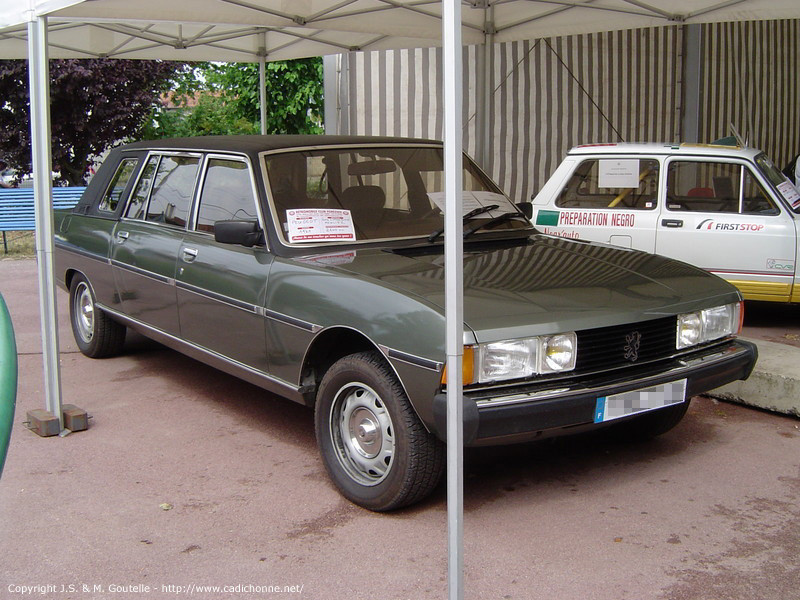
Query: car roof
252	144
664	149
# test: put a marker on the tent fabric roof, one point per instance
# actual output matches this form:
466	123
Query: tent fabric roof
243	30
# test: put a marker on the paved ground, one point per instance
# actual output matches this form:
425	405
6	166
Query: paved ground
190	477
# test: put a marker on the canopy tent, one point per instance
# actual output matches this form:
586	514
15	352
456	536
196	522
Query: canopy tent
242	30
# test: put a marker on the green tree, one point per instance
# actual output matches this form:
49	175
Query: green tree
228	100
95	104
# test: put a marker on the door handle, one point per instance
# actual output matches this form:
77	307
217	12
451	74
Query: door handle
672	222
122	236
189	254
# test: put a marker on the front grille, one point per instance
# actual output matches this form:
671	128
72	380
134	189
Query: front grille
625	345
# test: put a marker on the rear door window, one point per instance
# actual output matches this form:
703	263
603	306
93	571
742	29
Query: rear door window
138	203
173	189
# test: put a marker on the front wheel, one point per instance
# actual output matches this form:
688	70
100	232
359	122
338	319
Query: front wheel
375	448
96	334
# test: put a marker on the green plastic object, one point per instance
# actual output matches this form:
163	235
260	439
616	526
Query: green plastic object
8	379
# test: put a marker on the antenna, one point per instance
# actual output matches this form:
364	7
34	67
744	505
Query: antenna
737	136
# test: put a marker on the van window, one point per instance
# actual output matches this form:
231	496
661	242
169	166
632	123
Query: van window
622	184
227	194
717	188
173	189
113	195
138	202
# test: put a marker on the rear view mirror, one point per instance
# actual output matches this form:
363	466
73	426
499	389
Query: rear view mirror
243	233
372	167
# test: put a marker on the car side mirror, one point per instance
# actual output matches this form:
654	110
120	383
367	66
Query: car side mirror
526	208
243	233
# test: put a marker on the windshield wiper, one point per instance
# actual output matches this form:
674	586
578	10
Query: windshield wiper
473	213
495	221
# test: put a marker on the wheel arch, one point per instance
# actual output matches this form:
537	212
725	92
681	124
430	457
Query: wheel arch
70	274
330	345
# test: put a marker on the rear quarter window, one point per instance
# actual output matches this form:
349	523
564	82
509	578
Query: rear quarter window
116	189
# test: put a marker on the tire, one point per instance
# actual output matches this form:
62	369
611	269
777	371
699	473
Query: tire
651	424
375	448
97	335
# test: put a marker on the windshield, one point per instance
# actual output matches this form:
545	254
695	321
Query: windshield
366	194
779	180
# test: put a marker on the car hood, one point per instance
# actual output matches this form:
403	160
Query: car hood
542	284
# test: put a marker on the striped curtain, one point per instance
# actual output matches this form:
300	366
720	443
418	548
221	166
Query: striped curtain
553	93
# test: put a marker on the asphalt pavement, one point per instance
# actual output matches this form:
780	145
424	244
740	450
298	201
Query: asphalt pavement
188	478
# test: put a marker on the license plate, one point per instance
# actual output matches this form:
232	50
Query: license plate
637	401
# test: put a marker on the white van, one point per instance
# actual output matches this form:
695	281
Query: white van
726	209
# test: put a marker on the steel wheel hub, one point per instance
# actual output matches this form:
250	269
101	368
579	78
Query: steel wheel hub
362	434
84	313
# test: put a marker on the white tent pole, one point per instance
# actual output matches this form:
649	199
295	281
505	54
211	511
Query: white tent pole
454	293
485	132
330	78
39	74
262	84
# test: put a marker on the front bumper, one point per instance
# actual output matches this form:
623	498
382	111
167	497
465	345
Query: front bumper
514	414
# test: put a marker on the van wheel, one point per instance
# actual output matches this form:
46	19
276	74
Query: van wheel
375	448
96	334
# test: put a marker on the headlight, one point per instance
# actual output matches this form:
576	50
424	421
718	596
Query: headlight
558	353
507	359
708	325
517	359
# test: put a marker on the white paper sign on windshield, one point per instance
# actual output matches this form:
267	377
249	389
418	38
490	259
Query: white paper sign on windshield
472	200
790	193
320	225
615	173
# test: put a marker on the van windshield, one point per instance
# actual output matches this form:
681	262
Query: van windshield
779	180
367	194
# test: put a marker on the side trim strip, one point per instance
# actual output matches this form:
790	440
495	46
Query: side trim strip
80	252
411	359
143	273
287	320
245	306
174	342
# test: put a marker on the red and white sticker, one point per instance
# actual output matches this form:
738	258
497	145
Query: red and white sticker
320	225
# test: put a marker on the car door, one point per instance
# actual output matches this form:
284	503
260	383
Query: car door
221	287
718	215
609	199
147	239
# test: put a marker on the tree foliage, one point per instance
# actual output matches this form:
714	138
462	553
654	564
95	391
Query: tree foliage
94	104
228	100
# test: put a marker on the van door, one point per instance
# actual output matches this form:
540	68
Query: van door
222	287
719	216
607	199
146	240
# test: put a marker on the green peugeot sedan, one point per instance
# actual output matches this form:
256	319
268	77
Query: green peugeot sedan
313	267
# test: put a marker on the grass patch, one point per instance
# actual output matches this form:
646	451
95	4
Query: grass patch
20	244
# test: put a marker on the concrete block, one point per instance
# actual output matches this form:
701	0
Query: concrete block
43	422
75	419
774	384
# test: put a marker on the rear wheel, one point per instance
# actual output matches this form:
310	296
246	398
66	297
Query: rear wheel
96	334
375	448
